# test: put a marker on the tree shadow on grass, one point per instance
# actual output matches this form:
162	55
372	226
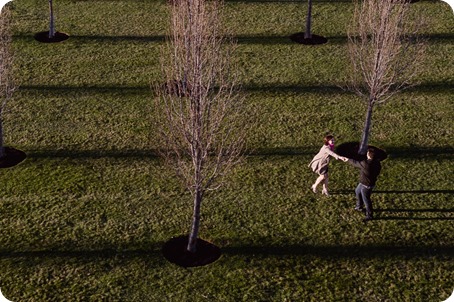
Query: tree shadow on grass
96	154
240	39
341	192
271	153
383	214
87	254
413	218
65	90
266	88
342	251
416	210
249	250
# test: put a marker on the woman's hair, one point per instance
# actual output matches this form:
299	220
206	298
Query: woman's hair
327	139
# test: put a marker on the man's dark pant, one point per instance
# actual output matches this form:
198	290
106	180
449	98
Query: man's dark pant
363	198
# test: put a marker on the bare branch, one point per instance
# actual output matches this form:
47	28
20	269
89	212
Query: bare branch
199	106
386	53
385	50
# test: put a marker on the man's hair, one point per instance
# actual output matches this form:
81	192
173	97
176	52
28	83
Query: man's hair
371	152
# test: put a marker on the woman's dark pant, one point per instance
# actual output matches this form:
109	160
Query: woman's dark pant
363	198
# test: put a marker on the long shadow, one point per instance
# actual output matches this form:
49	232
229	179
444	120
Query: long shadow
420	152
264	152
294	88
343	251
45	90
414	218
281	39
241	39
384	216
431	87
66	90
403	152
94	154
322	251
415	192
102	38
398	192
287	1
417	210
247	88
87	254
99	38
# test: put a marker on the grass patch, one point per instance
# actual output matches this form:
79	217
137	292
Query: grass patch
84	217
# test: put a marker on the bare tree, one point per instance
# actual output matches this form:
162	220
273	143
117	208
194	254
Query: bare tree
7	83
199	110
386	53
307	37
52	35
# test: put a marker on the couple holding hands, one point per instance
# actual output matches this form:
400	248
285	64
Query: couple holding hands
369	170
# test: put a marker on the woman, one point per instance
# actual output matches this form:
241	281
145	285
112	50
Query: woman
320	162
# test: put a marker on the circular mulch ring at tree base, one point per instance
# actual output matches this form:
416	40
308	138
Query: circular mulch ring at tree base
44	37
175	251
350	150
13	157
315	40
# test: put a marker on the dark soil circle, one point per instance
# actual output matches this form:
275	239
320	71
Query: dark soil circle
175	251
350	150
13	157
44	37
315	40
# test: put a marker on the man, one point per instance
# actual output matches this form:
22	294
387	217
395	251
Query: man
369	171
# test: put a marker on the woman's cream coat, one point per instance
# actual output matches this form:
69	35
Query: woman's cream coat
320	162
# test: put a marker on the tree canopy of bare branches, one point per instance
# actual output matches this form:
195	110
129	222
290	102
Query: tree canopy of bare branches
7	83
199	110
386	52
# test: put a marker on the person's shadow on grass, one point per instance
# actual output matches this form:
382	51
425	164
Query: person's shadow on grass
387	213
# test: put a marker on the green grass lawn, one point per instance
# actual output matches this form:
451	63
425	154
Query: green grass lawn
84	217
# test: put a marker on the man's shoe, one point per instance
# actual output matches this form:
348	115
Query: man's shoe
368	218
359	209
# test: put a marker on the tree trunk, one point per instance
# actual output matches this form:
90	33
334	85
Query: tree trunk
51	23
2	148
365	136
192	243
307	32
